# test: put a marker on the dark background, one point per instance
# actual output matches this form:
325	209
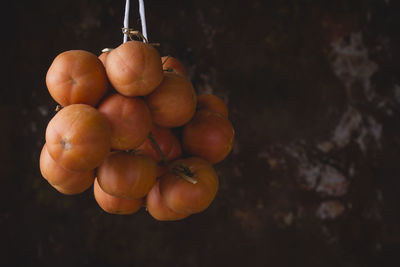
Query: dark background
314	95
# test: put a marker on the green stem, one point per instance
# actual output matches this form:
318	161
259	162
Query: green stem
163	158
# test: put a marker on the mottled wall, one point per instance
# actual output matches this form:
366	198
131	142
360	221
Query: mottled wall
313	89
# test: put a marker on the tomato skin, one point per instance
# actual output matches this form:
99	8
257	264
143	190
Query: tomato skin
174	64
103	57
134	68
208	135
126	175
130	120
78	137
173	103
213	103
184	197
168	144
65	181
76	77
166	140
115	205
157	208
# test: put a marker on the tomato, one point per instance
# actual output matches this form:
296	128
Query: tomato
208	135
130	120
167	142
76	77
157	208
126	175
65	181
184	197
103	57
78	137
134	68
171	63
115	205
212	102
173	103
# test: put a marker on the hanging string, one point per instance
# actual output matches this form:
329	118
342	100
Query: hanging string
126	31
126	20
143	18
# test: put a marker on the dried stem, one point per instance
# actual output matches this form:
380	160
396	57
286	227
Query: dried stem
179	169
184	172
58	108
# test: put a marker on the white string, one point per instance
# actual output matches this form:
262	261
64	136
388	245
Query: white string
126	20
143	18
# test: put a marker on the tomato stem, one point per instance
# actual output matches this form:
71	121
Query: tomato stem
165	60
179	169
184	172
58	108
163	158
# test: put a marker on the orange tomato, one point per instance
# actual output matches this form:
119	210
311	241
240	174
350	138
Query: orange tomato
167	142
103	57
213	103
184	197
76	77
115	205
126	175
130	120
208	135
157	208
174	64
65	181
78	137
173	103
134	68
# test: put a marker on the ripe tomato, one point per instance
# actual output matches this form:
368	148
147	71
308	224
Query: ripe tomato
168	144
173	103
65	181
126	175
78	137
213	103
166	140
184	197
130	120
174	64
103	57
208	135
134	68
115	205
157	208
76	77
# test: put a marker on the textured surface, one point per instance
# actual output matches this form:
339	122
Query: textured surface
313	90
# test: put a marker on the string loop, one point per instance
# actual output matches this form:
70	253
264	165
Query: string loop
129	32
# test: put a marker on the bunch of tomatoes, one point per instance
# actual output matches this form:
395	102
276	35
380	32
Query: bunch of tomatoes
131	125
